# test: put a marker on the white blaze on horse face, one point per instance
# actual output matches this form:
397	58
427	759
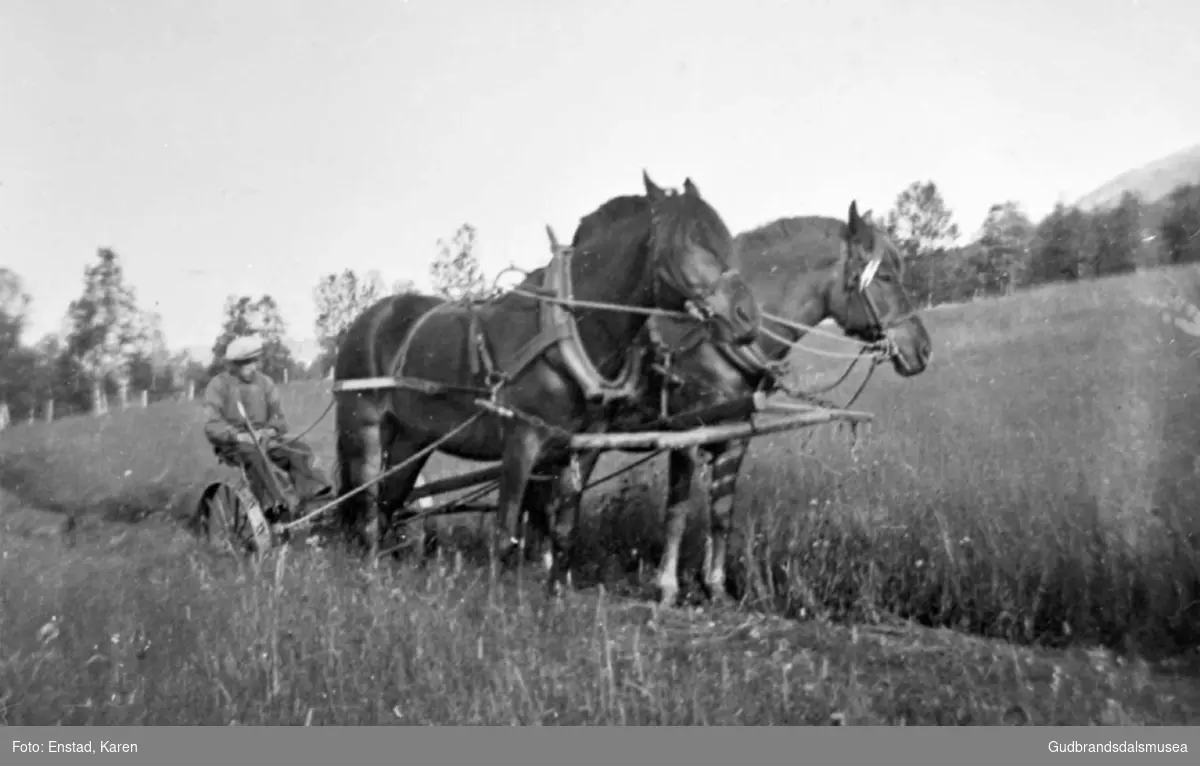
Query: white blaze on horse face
868	273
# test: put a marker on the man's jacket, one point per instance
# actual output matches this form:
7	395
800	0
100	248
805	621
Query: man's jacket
259	397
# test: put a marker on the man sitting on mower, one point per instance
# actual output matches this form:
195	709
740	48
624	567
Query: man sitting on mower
249	434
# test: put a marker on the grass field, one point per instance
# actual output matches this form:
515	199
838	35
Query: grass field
1039	484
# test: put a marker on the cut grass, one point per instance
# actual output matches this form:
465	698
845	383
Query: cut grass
1038	484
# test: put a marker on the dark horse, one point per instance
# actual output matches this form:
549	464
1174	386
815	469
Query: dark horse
664	250
808	269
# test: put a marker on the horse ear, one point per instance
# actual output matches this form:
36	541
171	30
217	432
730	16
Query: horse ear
653	191
690	188
854	220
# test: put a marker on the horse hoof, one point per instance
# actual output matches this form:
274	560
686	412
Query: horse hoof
667	599
718	598
507	553
559	583
432	545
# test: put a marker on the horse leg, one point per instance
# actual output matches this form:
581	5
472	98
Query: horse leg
359	458
399	485
681	468
534	534
522	446
564	513
726	466
536	512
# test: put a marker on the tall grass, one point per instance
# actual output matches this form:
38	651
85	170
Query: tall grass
144	628
1037	483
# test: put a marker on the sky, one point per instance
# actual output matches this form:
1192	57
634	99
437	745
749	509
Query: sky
225	147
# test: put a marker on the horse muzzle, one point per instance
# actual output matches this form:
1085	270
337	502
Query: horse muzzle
909	347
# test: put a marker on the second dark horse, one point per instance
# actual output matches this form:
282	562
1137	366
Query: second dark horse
667	250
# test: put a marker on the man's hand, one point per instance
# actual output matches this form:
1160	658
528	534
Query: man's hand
268	434
244	438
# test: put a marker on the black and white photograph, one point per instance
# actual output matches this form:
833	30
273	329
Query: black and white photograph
663	363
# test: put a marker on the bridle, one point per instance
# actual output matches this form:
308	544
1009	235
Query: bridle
752	363
858	283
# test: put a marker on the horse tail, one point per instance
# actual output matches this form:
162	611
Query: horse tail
347	512
355	358
367	350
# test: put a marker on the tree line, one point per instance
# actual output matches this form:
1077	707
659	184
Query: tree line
110	347
112	350
1012	252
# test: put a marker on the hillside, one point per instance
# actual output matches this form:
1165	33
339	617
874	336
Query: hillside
1152	182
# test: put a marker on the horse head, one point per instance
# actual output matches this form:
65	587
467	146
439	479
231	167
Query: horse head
687	249
869	301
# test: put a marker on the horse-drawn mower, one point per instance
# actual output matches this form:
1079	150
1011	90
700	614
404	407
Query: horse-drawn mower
881	330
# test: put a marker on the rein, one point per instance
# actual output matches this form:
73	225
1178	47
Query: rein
697	310
752	361
577	303
552	333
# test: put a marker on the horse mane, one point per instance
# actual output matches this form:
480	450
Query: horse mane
694	220
690	219
800	244
797	245
616	209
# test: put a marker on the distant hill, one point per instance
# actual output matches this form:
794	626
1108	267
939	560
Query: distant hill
1153	181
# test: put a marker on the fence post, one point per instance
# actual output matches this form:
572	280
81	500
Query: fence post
49	410
4	416
191	390
99	400
145	399
285	376
123	394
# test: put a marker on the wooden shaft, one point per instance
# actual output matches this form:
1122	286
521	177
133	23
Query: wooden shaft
711	434
451	483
